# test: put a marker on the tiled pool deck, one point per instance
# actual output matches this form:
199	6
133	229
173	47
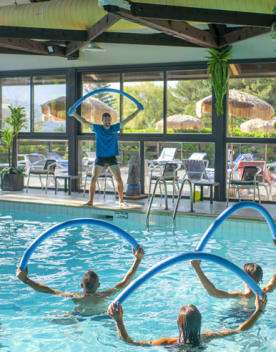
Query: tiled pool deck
62	204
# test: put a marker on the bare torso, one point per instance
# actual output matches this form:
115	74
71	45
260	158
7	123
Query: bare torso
89	304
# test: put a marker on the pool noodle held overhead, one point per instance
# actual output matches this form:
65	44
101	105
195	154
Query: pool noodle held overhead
103	90
82	221
227	212
184	257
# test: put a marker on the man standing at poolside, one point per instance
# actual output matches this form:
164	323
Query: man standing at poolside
106	151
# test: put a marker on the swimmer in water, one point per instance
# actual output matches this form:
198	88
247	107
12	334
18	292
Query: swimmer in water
90	301
252	269
189	326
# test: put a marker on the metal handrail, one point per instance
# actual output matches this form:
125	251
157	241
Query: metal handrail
160	179
179	196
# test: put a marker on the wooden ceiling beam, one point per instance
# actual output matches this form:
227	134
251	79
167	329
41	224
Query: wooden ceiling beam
142	39
101	26
243	34
30	46
181	13
178	29
43	33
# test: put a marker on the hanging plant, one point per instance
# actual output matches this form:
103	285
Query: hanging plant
273	26
219	73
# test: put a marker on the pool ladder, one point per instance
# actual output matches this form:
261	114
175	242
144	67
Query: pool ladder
160	180
179	196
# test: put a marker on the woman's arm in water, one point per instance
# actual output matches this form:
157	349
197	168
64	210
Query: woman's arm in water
22	275
260	304
209	286
81	119
117	314
138	254
272	283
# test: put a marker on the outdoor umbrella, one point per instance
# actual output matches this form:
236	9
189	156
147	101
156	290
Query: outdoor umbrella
181	121
240	105
258	125
91	109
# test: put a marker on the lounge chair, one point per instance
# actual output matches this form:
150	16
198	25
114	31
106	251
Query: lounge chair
167	154
163	167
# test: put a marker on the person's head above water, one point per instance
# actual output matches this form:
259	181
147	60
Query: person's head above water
189	325
106	118
254	271
90	282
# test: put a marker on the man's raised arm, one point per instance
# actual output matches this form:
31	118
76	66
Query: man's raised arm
22	275
81	119
138	254
129	118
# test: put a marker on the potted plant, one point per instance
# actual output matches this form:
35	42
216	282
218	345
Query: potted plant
12	177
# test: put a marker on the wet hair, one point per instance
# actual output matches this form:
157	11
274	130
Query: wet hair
90	281
106	114
189	325
254	270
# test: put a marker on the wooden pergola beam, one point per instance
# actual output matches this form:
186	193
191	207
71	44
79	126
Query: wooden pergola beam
181	13
243	34
30	46
43	33
142	39
101	26
178	29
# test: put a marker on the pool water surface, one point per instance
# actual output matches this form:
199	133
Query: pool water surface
33	321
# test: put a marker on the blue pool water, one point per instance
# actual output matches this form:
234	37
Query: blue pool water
32	321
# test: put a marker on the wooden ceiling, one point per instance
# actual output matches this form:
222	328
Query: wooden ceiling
170	24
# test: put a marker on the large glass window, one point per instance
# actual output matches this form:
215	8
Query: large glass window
88	156
57	150
93	107
147	88
15	91
187	112
252	102
177	152
258	156
49	103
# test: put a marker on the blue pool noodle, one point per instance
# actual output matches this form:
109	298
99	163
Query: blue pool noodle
227	212
63	225
103	90
184	257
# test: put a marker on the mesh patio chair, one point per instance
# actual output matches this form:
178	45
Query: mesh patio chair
264	178
195	169
36	164
247	179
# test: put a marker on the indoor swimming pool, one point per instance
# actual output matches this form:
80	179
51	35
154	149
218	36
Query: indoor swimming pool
33	321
